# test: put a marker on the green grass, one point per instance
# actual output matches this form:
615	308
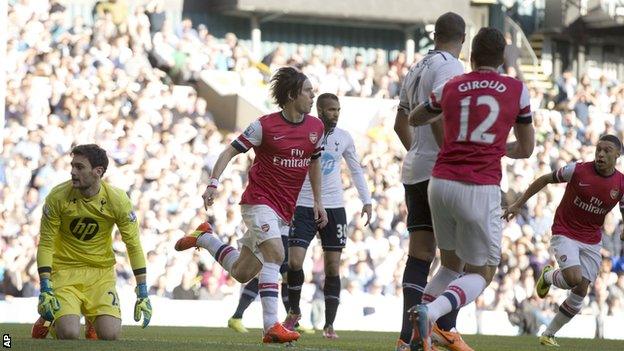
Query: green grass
216	339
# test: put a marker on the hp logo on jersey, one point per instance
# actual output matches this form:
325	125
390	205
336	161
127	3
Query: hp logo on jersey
84	228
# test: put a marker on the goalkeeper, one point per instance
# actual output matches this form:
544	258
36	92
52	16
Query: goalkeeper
75	255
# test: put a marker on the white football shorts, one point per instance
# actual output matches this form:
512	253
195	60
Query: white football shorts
466	219
569	252
263	223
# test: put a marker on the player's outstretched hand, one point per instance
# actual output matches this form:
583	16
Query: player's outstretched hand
142	305
320	215
209	196
48	303
368	210
511	212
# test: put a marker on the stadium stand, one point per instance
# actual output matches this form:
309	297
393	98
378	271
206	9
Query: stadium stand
125	82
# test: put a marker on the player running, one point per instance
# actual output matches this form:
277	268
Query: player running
249	292
338	144
435	69
75	255
287	146
479	109
593	189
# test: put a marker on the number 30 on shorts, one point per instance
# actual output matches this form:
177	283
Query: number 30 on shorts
342	231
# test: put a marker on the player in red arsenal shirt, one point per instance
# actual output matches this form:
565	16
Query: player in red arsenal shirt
287	146
593	189
479	109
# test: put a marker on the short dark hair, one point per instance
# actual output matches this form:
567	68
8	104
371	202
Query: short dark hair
488	47
325	96
449	27
95	154
612	138
286	84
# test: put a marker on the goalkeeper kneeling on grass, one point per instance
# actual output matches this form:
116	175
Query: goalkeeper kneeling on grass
75	256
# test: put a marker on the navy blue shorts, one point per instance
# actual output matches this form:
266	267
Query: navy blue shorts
304	229
418	211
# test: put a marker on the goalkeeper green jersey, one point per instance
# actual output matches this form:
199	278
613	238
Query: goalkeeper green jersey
77	231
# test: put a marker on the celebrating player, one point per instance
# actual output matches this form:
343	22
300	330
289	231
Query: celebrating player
593	189
435	69
479	109
75	256
287	146
338	144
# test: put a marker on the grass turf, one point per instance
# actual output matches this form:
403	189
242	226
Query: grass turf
217	339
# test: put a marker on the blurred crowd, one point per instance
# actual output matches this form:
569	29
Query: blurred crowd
116	83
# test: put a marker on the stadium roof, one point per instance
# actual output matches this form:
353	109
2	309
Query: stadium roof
375	12
597	26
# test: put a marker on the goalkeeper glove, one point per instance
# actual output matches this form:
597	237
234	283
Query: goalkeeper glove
48	304
142	305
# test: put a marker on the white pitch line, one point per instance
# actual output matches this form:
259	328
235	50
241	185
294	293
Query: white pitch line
273	346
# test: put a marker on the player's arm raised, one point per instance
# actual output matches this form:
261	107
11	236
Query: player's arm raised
534	188
48	231
357	173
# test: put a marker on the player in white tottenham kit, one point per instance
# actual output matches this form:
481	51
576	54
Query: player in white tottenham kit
338	143
435	69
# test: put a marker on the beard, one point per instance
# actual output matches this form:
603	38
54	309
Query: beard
329	125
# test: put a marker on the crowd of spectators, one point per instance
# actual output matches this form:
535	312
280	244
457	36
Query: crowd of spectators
114	83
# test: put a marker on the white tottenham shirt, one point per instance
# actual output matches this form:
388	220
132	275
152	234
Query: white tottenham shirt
337	145
435	69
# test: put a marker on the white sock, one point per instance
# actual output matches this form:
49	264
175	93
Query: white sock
567	310
224	254
210	242
438	283
268	288
555	277
460	292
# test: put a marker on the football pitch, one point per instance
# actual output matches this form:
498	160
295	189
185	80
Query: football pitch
217	339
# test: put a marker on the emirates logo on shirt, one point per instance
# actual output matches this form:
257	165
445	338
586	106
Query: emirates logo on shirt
614	194
313	137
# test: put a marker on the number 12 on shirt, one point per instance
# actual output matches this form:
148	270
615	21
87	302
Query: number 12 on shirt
479	134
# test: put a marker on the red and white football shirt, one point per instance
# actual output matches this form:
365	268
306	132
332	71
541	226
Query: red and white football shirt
283	153
479	108
587	200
